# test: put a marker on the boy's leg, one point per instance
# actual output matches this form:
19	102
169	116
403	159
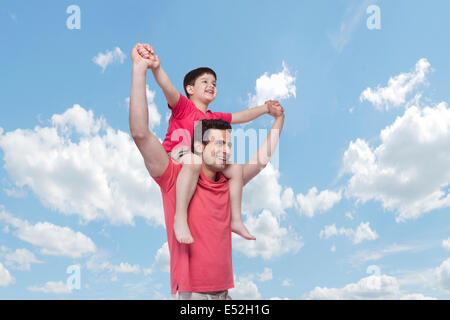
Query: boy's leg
233	172
185	188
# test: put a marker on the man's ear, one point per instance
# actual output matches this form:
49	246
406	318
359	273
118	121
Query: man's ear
198	147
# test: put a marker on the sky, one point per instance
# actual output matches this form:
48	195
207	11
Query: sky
355	204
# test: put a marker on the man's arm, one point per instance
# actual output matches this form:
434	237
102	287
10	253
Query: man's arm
271	107
262	156
155	157
170	92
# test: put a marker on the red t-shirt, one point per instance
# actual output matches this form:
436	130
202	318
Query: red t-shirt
205	265
182	122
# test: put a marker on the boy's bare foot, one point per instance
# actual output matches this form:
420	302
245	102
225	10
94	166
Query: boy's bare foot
239	228
182	232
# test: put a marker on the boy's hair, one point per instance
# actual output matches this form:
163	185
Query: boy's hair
203	126
191	76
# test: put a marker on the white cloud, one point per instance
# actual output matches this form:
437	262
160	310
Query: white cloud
162	258
245	289
277	86
5	277
409	172
154	118
363	232
52	239
265	192
80	165
105	59
20	259
446	243
381	287
312	202
364	256
398	88
287	283
271	239
51	287
266	275
443	274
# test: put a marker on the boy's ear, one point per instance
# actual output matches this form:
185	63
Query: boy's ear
190	89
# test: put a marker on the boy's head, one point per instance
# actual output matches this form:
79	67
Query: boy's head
212	139
200	83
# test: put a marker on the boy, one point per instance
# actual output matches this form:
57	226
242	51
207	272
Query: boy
200	88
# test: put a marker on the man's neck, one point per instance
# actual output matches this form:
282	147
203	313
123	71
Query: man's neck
210	174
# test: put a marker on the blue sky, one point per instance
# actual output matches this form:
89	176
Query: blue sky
356	207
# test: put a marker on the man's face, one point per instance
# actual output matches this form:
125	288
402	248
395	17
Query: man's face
204	88
218	151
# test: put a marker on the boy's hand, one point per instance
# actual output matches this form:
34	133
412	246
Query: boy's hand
143	54
274	108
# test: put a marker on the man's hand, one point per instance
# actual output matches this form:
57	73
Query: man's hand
274	108
143	55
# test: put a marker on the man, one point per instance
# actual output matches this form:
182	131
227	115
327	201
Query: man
203	269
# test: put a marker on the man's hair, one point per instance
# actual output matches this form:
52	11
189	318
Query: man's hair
191	76
203	126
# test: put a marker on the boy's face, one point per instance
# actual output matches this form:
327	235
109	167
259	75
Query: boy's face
204	88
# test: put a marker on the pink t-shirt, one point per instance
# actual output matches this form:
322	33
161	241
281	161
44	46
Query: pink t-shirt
205	265
182	122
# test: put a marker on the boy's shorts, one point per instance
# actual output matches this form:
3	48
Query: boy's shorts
177	153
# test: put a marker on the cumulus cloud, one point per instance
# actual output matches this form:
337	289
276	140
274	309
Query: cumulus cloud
105	59
271	239
443	274
398	87
446	243
409	172
52	239
375	287
20	259
162	258
51	287
313	202
363	232
266	275
5	277
277	86
245	289
79	165
265	192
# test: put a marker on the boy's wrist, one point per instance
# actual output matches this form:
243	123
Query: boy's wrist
139	68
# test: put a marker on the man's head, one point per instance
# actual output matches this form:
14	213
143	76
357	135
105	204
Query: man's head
212	139
201	84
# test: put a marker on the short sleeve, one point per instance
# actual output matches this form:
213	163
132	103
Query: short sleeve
220	115
183	108
168	179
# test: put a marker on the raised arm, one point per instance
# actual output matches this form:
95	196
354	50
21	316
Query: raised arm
271	107
265	151
162	79
155	157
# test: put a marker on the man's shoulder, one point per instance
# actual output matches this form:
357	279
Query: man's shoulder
167	180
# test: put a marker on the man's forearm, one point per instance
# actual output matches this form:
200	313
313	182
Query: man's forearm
249	114
262	156
170	92
138	103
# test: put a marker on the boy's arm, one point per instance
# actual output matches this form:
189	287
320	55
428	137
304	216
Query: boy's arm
262	156
155	157
170	92
271	107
